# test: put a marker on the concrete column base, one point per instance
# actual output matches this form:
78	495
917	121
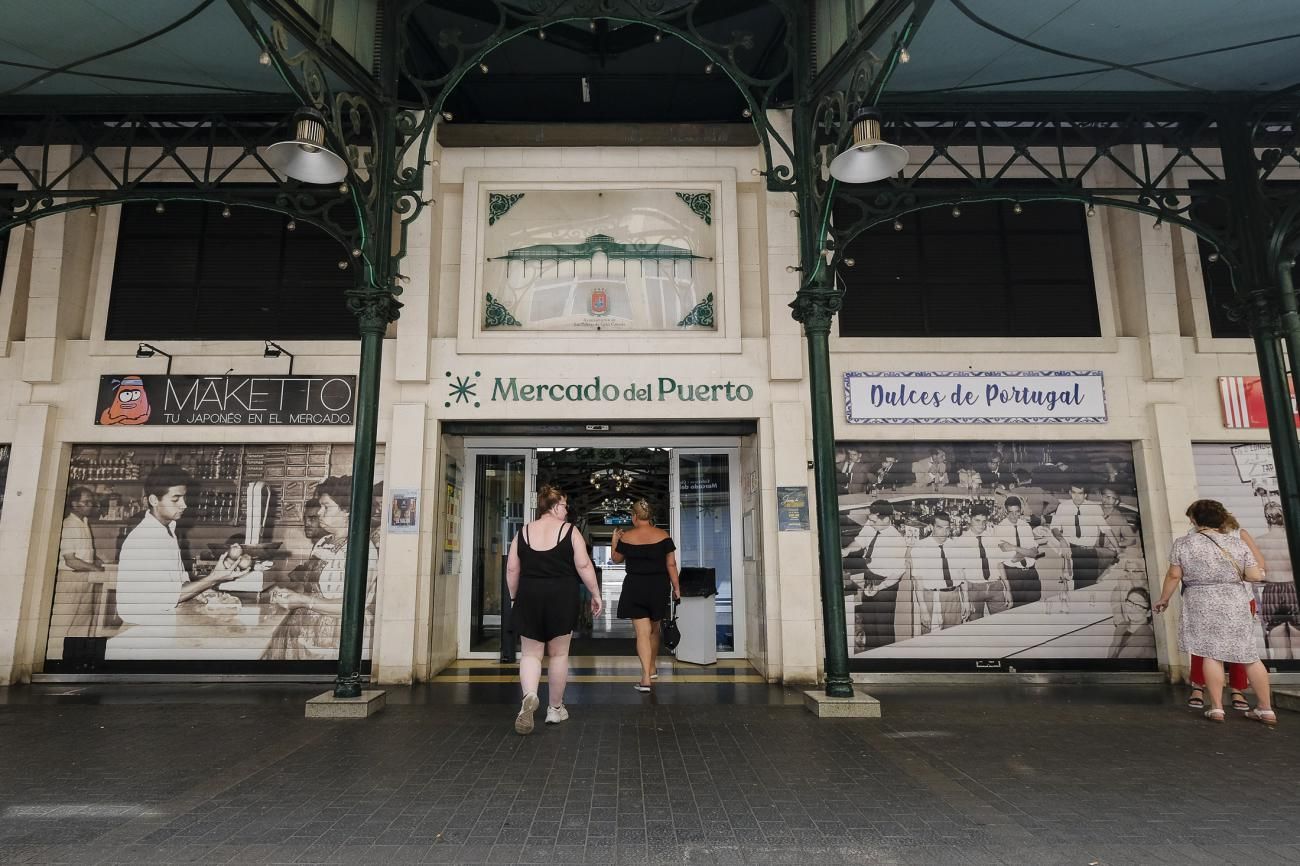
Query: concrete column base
1286	699
860	706
327	706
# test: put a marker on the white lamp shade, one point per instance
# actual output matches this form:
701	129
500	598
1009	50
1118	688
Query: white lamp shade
869	158
868	161
306	158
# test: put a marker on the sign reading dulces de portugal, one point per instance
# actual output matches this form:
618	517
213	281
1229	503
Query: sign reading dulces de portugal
1017	397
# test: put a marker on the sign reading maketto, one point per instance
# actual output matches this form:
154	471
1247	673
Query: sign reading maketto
1017	397
191	401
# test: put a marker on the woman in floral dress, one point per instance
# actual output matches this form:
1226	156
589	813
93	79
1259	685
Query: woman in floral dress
1214	568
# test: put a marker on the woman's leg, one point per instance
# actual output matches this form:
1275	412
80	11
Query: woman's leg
1237	677
557	671
1214	683
530	664
1259	682
1197	676
644	648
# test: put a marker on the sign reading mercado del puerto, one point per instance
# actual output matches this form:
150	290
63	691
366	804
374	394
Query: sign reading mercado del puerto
1017	397
599	260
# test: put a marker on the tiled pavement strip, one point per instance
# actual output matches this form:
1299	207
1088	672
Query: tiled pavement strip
235	774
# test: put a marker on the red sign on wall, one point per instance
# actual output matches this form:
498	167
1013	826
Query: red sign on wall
1242	398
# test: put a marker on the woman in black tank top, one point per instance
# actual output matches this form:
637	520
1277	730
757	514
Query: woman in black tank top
546	559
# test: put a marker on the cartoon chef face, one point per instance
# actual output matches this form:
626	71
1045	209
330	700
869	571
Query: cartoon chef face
130	403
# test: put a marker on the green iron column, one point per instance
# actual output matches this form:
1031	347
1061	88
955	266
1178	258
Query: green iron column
815	306
375	305
1270	310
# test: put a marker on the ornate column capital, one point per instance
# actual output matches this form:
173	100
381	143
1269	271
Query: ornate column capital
815	307
1259	309
374	308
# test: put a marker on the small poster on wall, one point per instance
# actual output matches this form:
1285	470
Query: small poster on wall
404	511
792	509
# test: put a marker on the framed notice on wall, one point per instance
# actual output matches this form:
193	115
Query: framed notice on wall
613	259
404	511
564	255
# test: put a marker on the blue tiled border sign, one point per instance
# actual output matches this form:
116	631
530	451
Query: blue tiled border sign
1003	397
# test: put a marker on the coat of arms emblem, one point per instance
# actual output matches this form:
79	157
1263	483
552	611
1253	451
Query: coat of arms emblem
599	302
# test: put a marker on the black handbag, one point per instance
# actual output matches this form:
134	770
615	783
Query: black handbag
671	634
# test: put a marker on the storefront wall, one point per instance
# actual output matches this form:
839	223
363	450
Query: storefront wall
1159	365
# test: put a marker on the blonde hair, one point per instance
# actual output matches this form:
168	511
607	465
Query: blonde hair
642	510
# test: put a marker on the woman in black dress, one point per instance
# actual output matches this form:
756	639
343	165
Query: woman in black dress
651	569
546	559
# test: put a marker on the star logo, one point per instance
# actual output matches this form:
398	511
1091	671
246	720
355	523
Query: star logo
462	389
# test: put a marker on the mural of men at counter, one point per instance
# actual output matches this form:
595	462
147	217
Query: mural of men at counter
205	552
1012	551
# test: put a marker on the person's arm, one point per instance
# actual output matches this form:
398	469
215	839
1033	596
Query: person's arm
673	575
858	543
892	572
512	568
613	546
1260	565
1173	577
218	576
76	563
586	571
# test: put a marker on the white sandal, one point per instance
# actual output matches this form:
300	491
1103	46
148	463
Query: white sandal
1215	715
1267	717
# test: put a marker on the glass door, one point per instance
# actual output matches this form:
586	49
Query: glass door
501	489
705	527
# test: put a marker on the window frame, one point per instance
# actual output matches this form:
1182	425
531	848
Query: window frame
207	291
1104	298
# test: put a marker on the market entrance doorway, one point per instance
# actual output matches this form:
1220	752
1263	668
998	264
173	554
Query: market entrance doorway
692	490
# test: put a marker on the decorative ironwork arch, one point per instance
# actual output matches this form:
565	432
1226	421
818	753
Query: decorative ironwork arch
760	94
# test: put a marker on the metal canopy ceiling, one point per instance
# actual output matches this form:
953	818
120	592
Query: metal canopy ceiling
1005	47
111	48
630	77
1009	49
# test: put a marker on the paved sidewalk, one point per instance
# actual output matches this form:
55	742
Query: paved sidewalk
235	774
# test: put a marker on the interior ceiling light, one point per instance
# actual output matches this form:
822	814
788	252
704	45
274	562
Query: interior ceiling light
305	157
868	158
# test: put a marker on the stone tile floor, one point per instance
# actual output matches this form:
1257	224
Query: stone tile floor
999	775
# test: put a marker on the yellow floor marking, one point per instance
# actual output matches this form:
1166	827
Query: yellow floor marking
618	662
598	678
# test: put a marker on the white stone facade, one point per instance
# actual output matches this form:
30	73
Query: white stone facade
1159	360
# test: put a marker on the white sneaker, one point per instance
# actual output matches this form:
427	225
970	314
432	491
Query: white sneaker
555	715
524	721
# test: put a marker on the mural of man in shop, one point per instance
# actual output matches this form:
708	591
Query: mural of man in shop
236	556
1016	551
152	579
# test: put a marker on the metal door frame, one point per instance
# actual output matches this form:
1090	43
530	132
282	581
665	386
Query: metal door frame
732	453
467	540
527	448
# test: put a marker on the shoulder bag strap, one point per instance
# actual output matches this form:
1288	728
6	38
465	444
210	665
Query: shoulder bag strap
1241	572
